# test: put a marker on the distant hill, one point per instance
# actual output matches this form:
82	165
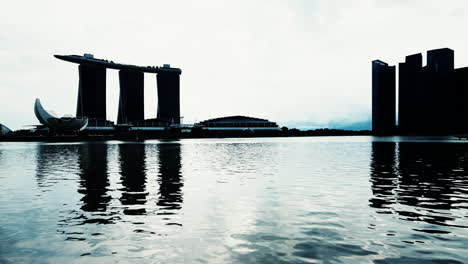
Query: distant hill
345	125
302	125
361	125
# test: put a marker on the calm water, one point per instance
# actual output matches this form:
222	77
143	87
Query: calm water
279	200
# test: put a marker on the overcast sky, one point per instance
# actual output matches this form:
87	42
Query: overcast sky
286	61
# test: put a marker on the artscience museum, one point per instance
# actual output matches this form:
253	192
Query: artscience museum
63	124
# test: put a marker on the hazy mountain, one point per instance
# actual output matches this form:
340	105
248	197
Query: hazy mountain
302	125
360	125
345	125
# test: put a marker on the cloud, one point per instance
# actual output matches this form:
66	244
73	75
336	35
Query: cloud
281	60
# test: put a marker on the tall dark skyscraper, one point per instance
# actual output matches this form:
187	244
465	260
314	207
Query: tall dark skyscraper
410	102
427	95
432	98
169	96
461	99
440	89
92	92
383	97
440	60
131	100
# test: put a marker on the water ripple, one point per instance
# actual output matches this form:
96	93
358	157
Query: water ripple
281	200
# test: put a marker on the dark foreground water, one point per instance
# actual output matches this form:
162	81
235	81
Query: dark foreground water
279	200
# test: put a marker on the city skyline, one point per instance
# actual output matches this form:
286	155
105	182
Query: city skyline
431	97
288	62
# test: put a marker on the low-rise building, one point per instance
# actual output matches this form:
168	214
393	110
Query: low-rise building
235	123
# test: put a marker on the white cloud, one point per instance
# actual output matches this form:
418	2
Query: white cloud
281	60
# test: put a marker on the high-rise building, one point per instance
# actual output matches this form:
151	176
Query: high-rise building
440	60
410	105
461	100
440	86
169	97
131	100
432	99
92	92
383	98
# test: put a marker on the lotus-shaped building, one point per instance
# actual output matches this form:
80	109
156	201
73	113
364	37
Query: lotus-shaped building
59	123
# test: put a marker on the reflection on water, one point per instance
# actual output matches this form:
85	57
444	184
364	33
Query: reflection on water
308	200
133	177
94	176
383	175
420	182
1	158
170	177
94	185
54	163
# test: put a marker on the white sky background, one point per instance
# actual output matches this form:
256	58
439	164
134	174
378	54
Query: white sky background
287	61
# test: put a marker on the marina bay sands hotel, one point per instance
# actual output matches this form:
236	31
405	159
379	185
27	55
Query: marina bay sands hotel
92	90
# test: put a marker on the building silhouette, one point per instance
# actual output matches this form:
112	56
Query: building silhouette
131	98
461	105
169	97
410	93
92	91
383	97
431	98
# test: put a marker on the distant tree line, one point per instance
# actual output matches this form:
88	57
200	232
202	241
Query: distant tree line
294	132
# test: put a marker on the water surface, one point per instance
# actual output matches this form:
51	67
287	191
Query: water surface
272	200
